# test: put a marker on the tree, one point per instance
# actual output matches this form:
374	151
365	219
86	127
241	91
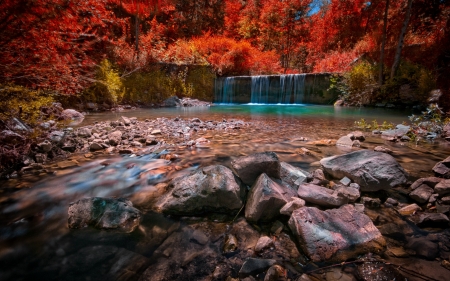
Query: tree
401	40
383	44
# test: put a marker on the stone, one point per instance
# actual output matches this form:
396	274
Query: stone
423	247
265	199
345	141
67	164
231	244
345	181
156	132
392	230
399	131
277	228
383	149
8	136
250	167
337	274
442	168
126	121
319	178
70	114
84	132
431	182
115	138
372	170
433	220
371	202
445	200
45	146
335	234
40	157
173	101
275	273
56	136
199	237
292	205
253	266
409	210
104	213
209	189
349	192
421	194
391	201
293	175
264	242
378	272
95	146
443	187
320	195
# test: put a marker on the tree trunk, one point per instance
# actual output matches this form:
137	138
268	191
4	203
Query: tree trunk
383	43
401	40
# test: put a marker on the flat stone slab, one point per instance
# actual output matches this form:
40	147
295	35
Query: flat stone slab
336	234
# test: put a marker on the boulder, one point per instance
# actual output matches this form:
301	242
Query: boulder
266	198
336	234
115	138
173	101
293	175
442	169
250	167
346	141
421	194
292	205
71	114
372	170
209	189
320	195
443	187
104	213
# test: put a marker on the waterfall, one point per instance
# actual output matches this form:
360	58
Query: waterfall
225	90
260	89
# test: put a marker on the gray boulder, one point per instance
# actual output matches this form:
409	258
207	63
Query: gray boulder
321	196
293	176
209	189
71	115
266	198
248	168
336	234
372	170
104	213
442	168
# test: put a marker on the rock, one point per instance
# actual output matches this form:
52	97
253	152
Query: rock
399	131
383	149
392	230
56	136
264	242
275	273
292	205
421	194
431	182
445	200
433	220
391	201
45	146
409	210
209	189
442	168
84	132
321	196
254	266
71	115
277	227
250	167
349	192
423	247
345	141
231	244
104	213
7	136
156	132
337	274
95	146
371	202
173	101
319	178
67	164
443	187
40	158
126	121
374	271
336	234
357	135
371	170
345	181
199	237
115	138
265	199
293	175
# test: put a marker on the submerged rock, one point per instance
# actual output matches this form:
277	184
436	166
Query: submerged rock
372	170
248	168
209	189
336	234
104	213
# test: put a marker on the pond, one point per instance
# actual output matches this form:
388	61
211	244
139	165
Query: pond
35	242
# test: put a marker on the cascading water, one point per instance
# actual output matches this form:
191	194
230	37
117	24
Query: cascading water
263	89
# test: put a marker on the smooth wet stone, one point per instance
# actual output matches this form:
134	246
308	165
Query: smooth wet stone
209	189
250	167
265	199
104	213
372	170
443	187
335	234
409	210
264	242
442	168
321	196
293	175
254	266
421	194
292	205
392	230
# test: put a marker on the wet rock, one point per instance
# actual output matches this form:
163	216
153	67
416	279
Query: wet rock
264	242
432	220
371	170
423	247
95	146
266	198
104	213
421	194
391	201
250	167
40	157
209	189
199	237
67	164
336	234
431	182
277	227
321	196
337	274
409	210
383	149
292	205
72	116
254	266
443	187
293	175
45	146
442	168
246	235
115	138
